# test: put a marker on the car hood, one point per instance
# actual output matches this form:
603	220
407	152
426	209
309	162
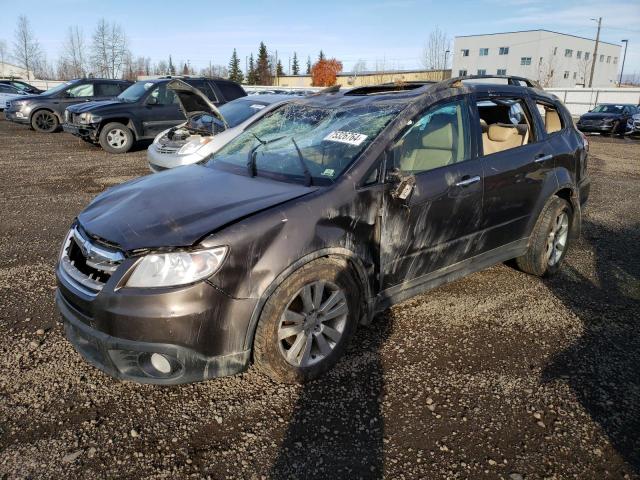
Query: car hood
193	101
178	207
599	116
93	105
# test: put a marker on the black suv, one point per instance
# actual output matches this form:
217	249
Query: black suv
144	110
45	112
319	215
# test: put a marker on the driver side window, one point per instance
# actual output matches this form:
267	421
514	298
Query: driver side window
84	90
439	138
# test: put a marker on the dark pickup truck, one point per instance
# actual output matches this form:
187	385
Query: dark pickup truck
141	112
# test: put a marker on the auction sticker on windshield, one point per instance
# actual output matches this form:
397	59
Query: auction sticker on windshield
351	138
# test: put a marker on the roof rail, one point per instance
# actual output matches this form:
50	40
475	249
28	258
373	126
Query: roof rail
387	88
511	80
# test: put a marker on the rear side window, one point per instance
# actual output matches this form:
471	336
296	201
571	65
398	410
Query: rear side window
107	89
505	124
84	90
8	89
553	121
205	88
230	91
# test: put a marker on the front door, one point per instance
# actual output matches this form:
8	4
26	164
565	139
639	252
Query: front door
437	224
161	111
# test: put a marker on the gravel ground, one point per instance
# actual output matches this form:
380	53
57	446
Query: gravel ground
498	375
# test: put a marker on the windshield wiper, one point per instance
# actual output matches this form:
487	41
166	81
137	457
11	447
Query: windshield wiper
303	164
251	161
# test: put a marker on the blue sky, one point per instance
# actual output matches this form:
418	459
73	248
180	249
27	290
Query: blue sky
393	31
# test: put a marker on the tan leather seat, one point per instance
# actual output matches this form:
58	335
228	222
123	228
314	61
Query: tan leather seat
502	137
436	150
552	121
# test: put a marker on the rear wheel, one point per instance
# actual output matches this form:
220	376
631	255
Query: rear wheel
116	138
307	322
549	240
44	121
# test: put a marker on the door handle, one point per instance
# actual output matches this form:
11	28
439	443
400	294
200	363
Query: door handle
543	158
465	182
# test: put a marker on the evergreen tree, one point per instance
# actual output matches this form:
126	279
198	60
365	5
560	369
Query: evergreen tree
235	73
321	56
263	67
171	68
308	65
295	67
185	69
251	74
279	69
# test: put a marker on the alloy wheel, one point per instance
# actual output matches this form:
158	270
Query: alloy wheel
557	239
116	138
312	323
44	121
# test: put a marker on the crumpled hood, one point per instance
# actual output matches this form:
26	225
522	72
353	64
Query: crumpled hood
178	207
599	116
92	106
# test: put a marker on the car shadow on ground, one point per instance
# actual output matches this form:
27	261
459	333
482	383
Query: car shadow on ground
336	430
603	366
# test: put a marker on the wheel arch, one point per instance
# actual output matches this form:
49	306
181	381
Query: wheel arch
570	193
41	108
353	262
126	121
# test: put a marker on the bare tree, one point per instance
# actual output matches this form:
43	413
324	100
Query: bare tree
73	57
434	55
26	49
109	50
3	54
547	69
584	67
358	67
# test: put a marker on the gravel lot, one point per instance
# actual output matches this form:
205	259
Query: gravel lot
498	375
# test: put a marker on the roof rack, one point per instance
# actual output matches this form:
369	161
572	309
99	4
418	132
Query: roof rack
511	80
387	88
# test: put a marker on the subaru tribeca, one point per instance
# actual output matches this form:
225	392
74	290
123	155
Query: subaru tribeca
318	216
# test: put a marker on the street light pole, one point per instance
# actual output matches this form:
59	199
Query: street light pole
624	57
446	54
595	52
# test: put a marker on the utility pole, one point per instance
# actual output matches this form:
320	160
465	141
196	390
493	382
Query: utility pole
595	52
277	80
624	57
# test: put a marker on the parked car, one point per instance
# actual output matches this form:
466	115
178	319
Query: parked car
607	118
200	136
45	112
315	218
141	112
633	125
9	92
20	85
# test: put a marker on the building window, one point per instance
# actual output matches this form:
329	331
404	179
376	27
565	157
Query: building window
525	61
608	58
504	51
615	60
462	73
484	52
602	58
566	74
555	50
465	52
586	56
579	54
501	71
568	52
482	71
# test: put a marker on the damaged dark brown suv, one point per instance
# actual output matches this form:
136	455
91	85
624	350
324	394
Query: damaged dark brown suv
323	213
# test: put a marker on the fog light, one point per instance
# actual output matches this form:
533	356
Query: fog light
161	363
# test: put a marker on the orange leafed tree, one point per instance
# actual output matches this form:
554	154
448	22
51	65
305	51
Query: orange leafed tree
324	72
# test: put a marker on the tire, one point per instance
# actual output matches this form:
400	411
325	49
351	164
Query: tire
44	121
116	138
549	241
316	342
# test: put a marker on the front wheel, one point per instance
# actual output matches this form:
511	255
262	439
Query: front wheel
44	121
549	240
116	138
307	322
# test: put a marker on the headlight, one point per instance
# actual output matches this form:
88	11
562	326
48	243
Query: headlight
18	103
176	268
193	146
87	118
160	135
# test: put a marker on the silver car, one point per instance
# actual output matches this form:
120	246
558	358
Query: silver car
8	93
201	135
633	125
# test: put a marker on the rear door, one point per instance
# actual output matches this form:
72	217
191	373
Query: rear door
161	110
437	225
516	160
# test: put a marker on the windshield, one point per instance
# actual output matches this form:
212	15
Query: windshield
297	141
608	109
135	91
58	88
238	111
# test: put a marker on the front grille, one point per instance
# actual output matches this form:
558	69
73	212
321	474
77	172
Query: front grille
592	122
166	149
88	264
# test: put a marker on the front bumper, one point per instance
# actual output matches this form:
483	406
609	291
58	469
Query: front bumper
84	131
162	161
595	128
198	328
16	116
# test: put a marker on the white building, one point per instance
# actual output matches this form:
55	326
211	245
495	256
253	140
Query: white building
9	70
553	59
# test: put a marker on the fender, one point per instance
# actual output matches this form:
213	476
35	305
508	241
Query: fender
336	252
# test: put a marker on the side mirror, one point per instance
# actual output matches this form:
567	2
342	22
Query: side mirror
152	100
403	185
